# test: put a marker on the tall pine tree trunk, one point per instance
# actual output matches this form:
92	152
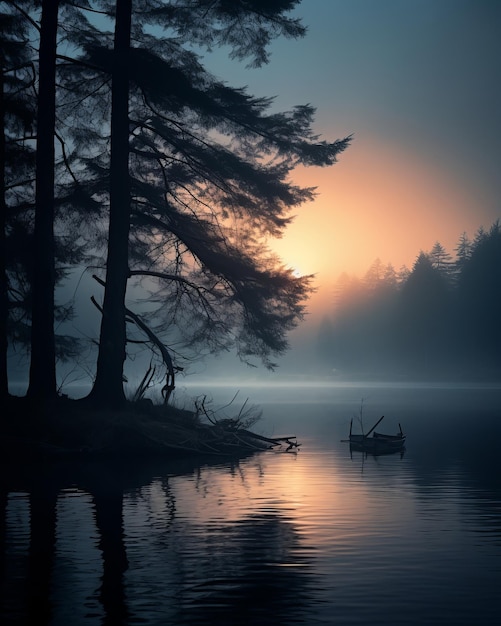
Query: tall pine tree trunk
42	384
108	387
4	298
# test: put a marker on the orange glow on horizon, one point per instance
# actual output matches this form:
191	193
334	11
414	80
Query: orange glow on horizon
376	202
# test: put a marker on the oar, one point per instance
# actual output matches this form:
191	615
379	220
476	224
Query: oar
366	435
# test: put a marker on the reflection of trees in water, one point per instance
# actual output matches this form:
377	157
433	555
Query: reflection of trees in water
460	451
25	582
253	572
154	566
452	447
255	566
159	565
27	569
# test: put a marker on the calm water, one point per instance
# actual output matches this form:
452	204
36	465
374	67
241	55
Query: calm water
317	537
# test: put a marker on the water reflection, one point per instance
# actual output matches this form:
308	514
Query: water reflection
255	570
320	537
229	547
153	564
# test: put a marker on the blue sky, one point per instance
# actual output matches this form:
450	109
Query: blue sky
418	84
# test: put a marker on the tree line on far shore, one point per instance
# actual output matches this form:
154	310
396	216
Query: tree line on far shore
440	319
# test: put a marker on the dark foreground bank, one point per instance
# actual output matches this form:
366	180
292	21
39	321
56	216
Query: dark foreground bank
72	427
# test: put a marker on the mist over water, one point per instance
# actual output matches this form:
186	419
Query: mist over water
321	536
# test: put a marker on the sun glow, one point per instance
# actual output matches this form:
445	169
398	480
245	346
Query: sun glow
376	202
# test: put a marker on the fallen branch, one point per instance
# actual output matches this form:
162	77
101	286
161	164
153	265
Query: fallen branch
169	386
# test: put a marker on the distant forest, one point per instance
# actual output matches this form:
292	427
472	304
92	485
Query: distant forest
441	319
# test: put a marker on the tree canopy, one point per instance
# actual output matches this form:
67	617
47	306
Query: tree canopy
175	177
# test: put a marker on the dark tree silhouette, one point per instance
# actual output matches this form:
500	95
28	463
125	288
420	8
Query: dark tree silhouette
440	319
463	253
4	298
30	267
479	294
208	171
424	313
11	56
42	384
442	260
16	170
194	173
108	385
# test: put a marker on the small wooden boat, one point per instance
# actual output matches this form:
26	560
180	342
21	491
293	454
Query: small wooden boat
379	443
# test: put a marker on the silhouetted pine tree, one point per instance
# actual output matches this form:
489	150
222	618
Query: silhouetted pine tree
463	253
42	384
424	317
479	294
17	173
41	243
432	322
207	170
442	260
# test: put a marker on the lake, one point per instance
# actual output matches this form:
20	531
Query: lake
319	536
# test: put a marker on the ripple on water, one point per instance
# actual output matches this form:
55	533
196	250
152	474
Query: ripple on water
319	537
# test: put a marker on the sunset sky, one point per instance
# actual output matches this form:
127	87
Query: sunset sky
417	83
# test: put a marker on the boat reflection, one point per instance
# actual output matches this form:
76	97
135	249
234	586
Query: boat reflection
325	535
376	450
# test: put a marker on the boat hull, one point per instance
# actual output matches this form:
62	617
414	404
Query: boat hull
377	444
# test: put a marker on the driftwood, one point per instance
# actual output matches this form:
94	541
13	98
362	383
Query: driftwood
290	440
234	431
153	433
